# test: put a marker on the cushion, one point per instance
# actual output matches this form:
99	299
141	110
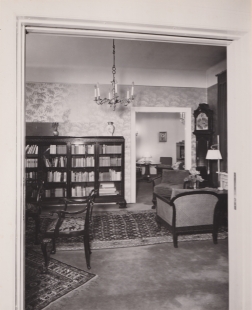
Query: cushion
174	177
165	189
69	225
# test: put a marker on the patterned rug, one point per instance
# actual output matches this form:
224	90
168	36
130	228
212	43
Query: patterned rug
42	289
120	229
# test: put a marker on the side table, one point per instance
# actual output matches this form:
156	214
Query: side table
146	175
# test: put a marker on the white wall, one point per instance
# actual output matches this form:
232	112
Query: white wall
148	126
147	77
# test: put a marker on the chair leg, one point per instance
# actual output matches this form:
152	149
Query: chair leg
46	254
37	229
87	251
175	240
215	237
53	251
154	200
158	223
90	252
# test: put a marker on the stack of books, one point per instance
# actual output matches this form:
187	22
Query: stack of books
107	189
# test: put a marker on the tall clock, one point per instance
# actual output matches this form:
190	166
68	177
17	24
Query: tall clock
203	130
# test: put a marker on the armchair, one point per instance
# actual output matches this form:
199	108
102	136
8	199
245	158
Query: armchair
189	211
68	225
165	163
163	185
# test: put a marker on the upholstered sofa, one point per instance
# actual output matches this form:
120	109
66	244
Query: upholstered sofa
189	211
163	185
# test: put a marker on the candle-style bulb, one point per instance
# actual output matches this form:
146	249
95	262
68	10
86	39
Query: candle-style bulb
98	90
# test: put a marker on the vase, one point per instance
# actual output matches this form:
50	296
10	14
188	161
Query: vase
193	185
110	128
55	127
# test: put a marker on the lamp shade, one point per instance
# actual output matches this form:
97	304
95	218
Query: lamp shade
213	155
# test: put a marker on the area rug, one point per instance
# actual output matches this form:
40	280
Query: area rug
122	229
42	289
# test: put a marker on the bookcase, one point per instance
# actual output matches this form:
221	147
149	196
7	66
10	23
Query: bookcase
72	166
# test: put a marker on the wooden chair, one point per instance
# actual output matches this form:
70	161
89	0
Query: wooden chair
68	225
33	209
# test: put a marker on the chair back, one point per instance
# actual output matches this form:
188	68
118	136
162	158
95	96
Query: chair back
195	208
174	177
90	203
166	161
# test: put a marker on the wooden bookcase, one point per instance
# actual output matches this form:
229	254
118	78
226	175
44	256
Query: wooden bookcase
72	166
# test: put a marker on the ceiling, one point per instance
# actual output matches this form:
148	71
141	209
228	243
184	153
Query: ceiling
71	51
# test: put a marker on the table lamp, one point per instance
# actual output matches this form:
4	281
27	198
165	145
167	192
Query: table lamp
214	154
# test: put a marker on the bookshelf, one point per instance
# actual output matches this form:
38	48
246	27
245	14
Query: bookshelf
72	166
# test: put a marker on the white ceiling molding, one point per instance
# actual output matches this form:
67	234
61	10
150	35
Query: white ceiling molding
131	31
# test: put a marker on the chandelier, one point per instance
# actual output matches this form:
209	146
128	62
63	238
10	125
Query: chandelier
113	97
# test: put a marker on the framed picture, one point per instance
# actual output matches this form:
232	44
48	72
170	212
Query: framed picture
162	136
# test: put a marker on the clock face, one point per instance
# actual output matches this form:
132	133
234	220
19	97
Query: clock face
202	122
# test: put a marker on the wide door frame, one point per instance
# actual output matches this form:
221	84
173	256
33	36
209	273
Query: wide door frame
238	88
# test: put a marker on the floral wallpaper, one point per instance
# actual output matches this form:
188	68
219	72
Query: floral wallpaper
73	107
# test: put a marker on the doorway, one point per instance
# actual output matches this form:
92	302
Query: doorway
153	110
21	148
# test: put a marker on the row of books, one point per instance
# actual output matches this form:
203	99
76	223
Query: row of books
58	149
111	175
81	191
83	162
107	189
56	192
108	149
56	161
56	176
82	149
31	175
31	149
110	161
82	176
31	162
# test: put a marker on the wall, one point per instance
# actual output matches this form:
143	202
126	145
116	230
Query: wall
73	106
150	77
148	126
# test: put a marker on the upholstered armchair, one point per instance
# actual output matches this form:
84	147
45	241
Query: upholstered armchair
165	163
163	185
189	211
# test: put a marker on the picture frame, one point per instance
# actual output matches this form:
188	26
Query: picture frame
162	136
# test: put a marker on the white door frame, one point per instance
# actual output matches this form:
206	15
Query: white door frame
188	138
239	265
